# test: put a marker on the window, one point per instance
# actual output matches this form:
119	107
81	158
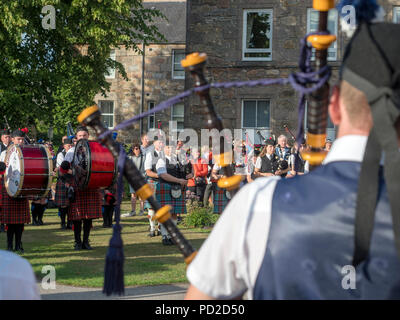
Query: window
256	114
151	119
312	26
178	72
107	112
396	14
257	35
178	115
110	74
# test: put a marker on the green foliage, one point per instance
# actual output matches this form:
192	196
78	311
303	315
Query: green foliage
199	217
47	76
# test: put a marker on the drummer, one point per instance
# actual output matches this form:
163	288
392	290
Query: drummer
5	136
87	204
14	211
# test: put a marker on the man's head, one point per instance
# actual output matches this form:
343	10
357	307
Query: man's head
282	141
5	137
145	140
64	138
82	133
67	144
158	144
328	145
18	137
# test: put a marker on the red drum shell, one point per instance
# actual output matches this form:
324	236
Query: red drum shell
36	167
101	166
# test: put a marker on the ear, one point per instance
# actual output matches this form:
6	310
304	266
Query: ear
334	106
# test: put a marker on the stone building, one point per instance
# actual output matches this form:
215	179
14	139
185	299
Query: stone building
162	75
253	39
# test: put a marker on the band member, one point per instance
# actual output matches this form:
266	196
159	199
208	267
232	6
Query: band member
282	150
87	204
299	238
109	206
152	178
5	139
170	187
38	207
61	197
4	143
221	196
14	211
267	162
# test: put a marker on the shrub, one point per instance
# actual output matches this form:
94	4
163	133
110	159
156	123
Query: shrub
199	217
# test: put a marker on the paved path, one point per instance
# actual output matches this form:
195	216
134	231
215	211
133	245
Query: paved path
160	292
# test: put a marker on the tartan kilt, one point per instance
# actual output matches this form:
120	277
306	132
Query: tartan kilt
163	195
87	205
61	196
13	210
220	200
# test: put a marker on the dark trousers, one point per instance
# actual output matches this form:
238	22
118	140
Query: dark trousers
209	191
199	191
63	214
37	213
108	212
87	225
14	229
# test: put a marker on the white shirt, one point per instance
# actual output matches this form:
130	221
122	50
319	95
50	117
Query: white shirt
3	155
221	268
60	159
151	159
69	156
17	280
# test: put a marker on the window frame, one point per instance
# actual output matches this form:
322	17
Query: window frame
256	127
335	44
396	13
172	116
244	36
108	114
151	105
113	56
174	76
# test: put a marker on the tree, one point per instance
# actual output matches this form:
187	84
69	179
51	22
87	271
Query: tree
49	73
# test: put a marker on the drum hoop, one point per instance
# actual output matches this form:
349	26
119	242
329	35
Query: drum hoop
50	167
89	168
21	164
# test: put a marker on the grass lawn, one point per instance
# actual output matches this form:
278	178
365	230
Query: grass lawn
147	261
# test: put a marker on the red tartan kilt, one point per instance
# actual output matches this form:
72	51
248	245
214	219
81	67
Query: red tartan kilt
87	205
61	197
13	210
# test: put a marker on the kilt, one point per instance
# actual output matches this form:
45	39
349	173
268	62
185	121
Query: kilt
13	210
163	195
220	200
87	205
61	196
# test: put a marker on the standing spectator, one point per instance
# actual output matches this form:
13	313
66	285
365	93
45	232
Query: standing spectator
146	146
138	158
303	165
250	167
328	145
197	184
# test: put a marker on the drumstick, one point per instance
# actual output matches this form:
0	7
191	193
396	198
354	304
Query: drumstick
92	117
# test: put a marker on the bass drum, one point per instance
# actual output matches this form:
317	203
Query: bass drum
29	171
94	166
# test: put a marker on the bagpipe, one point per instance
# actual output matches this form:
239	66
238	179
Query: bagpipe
309	82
